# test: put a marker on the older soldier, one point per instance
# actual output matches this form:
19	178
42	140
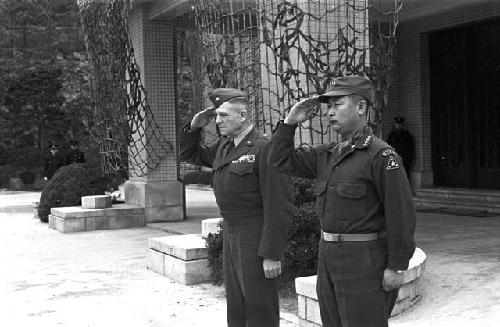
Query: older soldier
364	203
255	202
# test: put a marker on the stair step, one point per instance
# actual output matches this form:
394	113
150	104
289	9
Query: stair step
435	203
460	194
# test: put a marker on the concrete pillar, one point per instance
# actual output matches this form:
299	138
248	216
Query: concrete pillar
160	192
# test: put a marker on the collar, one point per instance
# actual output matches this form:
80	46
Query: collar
242	135
360	140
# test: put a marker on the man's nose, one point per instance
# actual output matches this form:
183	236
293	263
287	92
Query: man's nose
331	112
218	119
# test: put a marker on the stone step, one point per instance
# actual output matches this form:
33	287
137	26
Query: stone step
96	202
470	195
409	294
429	202
78	219
182	258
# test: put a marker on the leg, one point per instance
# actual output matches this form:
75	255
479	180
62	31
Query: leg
261	294
326	290
234	296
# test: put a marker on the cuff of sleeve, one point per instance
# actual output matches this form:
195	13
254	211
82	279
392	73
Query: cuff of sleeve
398	262
271	255
187	129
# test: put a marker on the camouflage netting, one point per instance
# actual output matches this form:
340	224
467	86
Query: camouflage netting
282	51
130	140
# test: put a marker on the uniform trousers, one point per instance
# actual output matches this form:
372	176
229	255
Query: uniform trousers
349	284
252	299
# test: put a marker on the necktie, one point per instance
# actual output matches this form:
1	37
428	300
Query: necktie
229	148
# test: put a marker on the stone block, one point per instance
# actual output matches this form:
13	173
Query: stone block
52	221
305	323
123	210
76	212
187	272
90	223
312	311
306	286
68	225
96	202
210	225
126	221
156	261
184	247
301	306
101	222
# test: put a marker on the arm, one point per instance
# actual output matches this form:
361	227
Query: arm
278	209
191	149
299	162
395	193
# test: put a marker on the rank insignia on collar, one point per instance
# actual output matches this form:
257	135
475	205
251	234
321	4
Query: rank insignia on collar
245	158
388	152
392	164
367	140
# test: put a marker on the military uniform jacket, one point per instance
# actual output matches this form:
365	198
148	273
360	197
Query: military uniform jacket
246	187
361	189
75	156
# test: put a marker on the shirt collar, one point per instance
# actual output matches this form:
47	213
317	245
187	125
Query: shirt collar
360	140
242	135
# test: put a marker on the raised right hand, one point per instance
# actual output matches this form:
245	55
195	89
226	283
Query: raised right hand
202	118
303	110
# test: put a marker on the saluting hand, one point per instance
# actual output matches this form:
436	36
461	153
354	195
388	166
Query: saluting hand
303	110
391	280
272	268
202	118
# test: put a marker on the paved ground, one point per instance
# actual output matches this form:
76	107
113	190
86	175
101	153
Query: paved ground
99	278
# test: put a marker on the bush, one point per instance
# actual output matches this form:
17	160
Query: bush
6	172
199	177
301	252
68	185
213	243
303	191
27	177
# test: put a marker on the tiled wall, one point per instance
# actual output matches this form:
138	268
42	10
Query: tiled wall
154	48
409	95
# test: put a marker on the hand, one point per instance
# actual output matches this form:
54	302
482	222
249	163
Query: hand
391	280
202	118
272	268
303	110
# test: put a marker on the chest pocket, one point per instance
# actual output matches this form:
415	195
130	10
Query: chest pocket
320	192
351	202
240	177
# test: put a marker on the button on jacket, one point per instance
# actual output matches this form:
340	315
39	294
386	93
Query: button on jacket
359	189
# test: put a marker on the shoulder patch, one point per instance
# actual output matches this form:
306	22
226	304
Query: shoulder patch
392	164
388	152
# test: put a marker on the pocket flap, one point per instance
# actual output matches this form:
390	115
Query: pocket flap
241	168
351	190
319	187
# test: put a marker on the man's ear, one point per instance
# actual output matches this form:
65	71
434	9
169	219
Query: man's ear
243	115
362	107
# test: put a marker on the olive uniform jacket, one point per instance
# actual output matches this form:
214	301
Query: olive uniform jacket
362	188
246	187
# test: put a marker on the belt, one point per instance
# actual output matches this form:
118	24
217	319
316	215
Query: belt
329	237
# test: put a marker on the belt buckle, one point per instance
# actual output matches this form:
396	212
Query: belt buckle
340	238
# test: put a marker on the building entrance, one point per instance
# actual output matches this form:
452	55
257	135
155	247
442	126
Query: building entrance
465	105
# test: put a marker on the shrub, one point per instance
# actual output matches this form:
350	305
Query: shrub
27	177
68	185
199	177
6	172
301	252
303	191
213	243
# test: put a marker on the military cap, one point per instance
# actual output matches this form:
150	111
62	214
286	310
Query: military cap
73	142
399	119
221	95
348	85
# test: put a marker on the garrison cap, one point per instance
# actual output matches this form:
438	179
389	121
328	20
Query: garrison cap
348	85
221	95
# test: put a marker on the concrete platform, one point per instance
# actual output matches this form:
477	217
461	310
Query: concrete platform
78	219
409	294
182	258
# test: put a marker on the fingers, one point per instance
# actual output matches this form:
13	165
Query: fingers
272	269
